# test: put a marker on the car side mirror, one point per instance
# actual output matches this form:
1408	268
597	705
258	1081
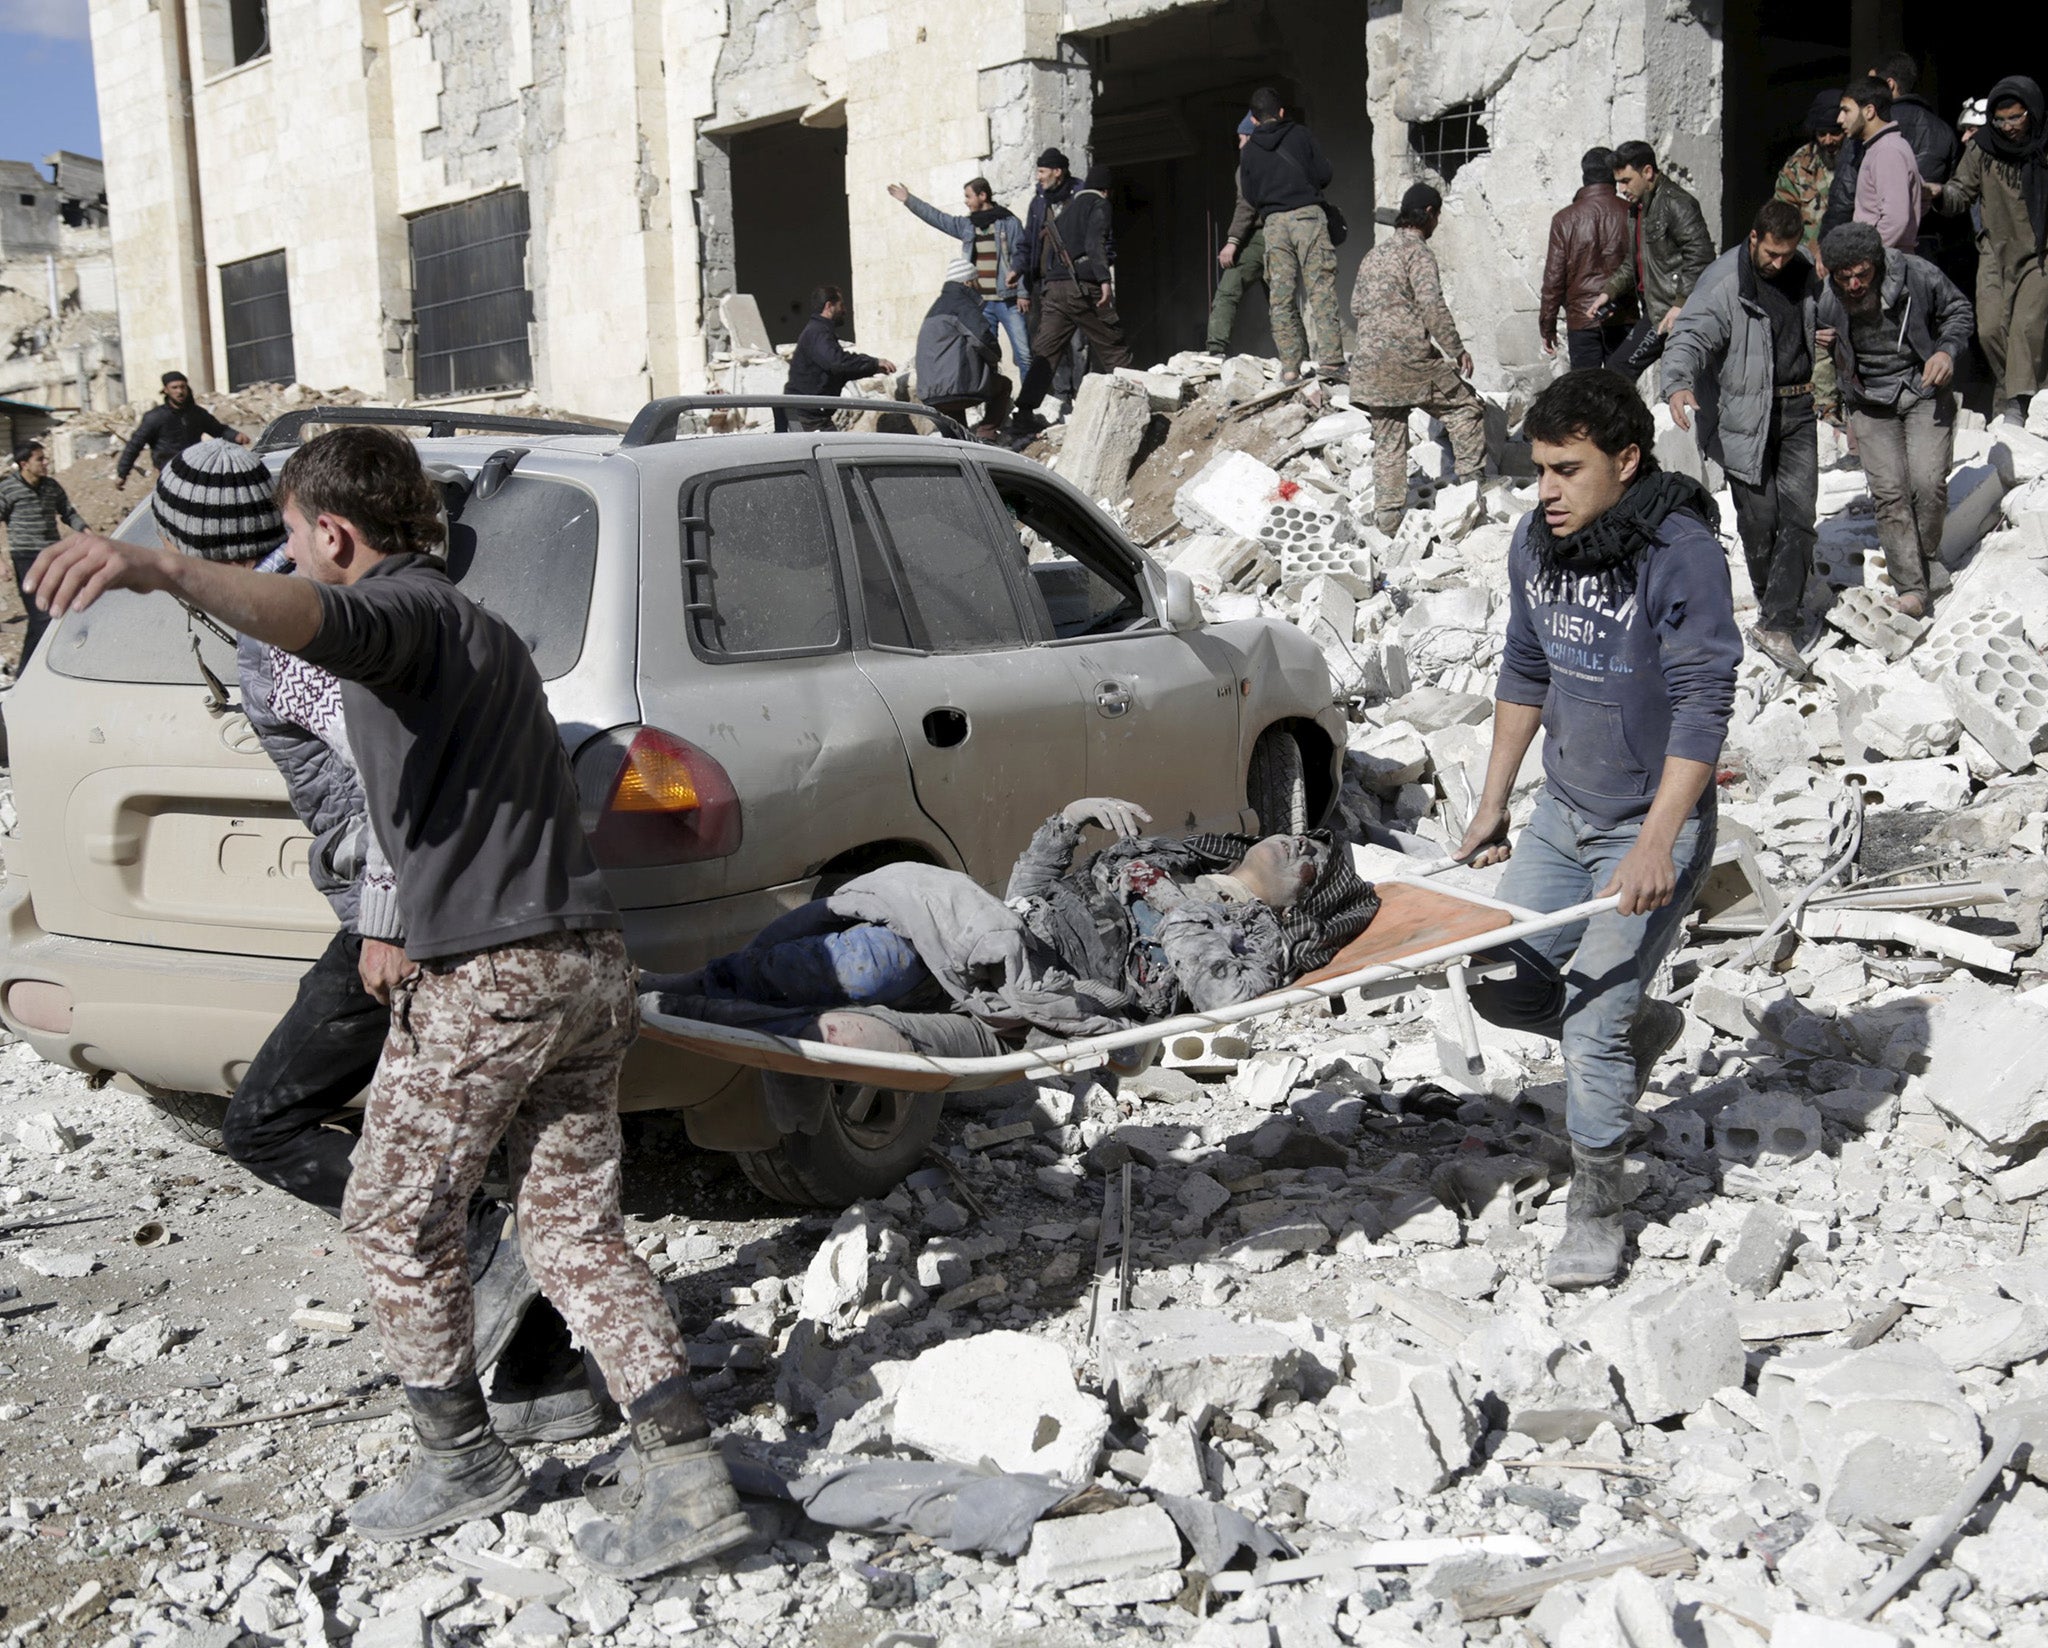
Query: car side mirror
1183	611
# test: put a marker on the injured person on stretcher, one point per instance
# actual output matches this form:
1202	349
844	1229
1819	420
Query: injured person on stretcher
915	958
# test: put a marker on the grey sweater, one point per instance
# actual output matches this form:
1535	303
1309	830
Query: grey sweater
462	766
32	512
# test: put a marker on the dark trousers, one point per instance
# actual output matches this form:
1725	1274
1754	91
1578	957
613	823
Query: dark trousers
1059	309
38	620
1638	349
1775	518
321	1055
1590	348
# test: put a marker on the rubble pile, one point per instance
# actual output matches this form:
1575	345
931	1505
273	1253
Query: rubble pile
1311	1391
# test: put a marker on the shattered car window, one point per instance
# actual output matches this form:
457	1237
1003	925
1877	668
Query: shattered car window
948	568
762	576
529	553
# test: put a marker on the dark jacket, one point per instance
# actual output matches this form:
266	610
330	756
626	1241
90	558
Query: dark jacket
821	364
1722	350
957	350
1625	676
1842	191
33	511
1066	237
1669	233
1282	168
997	220
462	766
1935	145
167	430
1588	242
1928	309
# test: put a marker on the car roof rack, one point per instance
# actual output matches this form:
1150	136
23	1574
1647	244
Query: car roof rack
439	423
656	421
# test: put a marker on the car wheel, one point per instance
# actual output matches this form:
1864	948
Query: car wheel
1277	785
869	1139
196	1118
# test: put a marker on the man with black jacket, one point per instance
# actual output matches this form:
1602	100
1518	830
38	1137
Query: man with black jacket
1282	173
822	365
169	429
1670	248
1064	265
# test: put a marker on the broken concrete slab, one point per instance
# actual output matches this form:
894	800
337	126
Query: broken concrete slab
1233	492
1110	418
1673	1346
1547	1390
1166	1363
1086	1550
1406	1418
1762	1250
1986	1064
1005	1397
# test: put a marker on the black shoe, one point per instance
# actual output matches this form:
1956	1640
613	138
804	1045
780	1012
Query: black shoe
542	1391
1026	425
1589	1253
682	1508
1657	1027
461	1470
502	1289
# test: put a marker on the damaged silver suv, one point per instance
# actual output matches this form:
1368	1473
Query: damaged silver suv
777	660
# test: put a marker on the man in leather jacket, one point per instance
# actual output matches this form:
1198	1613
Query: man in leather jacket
1670	247
1588	242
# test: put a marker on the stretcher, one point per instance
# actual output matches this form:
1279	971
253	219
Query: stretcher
1423	932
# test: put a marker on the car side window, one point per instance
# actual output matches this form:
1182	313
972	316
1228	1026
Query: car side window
931	572
1082	580
760	575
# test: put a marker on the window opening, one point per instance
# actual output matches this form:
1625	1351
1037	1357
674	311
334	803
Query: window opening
1082	582
248	30
256	320
470	305
1452	138
761	578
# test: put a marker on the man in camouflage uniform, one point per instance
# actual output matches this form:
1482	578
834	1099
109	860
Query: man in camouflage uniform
512	1003
1281	173
1405	355
1804	180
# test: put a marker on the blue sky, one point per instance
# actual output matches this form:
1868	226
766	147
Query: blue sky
46	91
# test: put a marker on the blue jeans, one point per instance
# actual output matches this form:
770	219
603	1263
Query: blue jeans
813	959
1010	320
1583	984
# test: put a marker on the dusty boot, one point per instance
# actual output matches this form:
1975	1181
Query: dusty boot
685	1508
460	1469
1658	1024
1590	1251
500	1285
542	1390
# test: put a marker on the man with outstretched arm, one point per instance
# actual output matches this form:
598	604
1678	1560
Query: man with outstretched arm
512	1005
1622	647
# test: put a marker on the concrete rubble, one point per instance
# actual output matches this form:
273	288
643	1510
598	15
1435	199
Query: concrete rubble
1338	1351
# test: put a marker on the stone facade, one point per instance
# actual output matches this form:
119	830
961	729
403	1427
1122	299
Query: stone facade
618	120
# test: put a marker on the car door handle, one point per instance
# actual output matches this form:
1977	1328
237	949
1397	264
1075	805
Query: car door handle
1112	698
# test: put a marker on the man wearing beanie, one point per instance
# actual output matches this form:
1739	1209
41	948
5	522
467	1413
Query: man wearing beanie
1809	171
216	501
170	428
957	353
1064	263
1283	172
1588	242
1896	326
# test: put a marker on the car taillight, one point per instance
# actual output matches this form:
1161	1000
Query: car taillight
650	798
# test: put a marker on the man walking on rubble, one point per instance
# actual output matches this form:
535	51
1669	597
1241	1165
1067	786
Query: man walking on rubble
1936	148
215	501
2004	173
989	235
822	365
1669	249
1588	242
1897	325
1740	361
1803	182
1063	265
1409	356
35	507
1242	260
1282	173
1621	639
958	357
1888	186
167	430
518	1010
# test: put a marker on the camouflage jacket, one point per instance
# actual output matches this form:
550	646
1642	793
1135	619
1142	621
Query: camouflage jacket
1804	180
1402	323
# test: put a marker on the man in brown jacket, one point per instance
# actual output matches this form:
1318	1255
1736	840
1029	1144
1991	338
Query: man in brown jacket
1588	242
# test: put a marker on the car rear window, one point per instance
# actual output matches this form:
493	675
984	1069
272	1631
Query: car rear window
528	553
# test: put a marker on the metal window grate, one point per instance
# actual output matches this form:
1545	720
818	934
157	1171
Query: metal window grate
470	306
256	316
1452	138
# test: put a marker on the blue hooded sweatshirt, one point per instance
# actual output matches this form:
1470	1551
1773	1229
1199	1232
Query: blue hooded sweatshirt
1628	669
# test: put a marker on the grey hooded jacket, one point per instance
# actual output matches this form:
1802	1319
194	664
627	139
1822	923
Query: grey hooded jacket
1928	310
1721	349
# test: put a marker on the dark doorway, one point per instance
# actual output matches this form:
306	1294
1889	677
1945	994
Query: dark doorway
1171	92
789	227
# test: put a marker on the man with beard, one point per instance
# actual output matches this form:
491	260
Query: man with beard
1888	186
1621	637
1741	360
2004	171
821	364
1896	325
989	235
1809	171
1670	248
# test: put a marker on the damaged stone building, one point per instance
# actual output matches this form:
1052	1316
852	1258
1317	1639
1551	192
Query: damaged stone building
60	345
449	198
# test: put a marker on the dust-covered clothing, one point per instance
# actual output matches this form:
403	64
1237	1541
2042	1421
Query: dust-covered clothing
1405	330
1301	267
521	1042
483	832
2007	179
1456	405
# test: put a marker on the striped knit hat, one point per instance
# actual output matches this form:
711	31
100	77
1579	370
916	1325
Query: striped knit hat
215	500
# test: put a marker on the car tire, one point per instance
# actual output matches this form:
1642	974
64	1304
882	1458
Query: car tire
869	1139
197	1118
1276	787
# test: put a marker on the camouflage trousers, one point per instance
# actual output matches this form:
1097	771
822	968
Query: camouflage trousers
522	1042
1451	400
1301	265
